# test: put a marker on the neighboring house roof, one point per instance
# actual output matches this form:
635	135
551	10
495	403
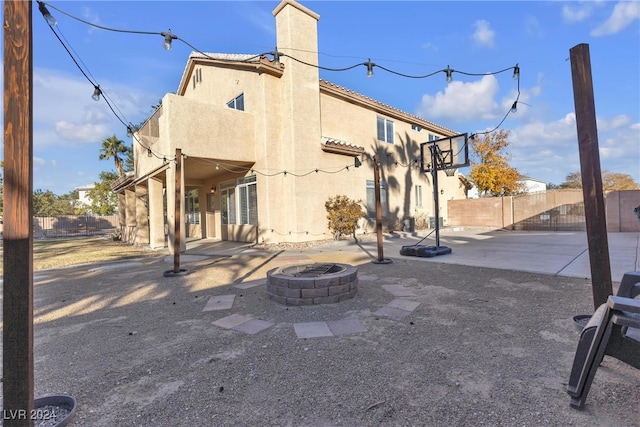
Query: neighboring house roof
86	187
528	178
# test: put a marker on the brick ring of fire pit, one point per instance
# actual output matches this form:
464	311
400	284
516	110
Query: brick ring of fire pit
309	284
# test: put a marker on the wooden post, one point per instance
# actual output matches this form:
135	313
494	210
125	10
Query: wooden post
594	205
178	217
17	353
376	187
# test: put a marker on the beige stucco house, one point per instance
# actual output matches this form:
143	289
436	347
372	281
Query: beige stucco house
238	123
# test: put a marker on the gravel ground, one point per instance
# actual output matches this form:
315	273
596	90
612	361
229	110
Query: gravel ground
485	347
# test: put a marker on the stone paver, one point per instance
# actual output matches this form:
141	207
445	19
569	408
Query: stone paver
392	313
403	304
312	330
346	326
398	291
397	309
232	321
221	302
253	326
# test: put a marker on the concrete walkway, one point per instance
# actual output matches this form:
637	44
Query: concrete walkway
557	253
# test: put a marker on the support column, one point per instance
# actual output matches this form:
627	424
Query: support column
130	213
156	214
122	214
142	215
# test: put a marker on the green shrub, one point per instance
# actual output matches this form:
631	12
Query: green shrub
343	215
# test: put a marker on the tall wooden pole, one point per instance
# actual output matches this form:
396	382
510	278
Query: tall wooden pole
17	354
594	206
376	189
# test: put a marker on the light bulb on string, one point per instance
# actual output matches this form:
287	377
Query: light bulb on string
168	38
46	15
96	93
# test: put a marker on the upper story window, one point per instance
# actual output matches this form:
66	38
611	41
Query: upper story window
237	103
416	127
385	130
433	137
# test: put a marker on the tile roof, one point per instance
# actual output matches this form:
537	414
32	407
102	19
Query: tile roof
333	141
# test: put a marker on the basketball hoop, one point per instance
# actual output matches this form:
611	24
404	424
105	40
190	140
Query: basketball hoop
450	171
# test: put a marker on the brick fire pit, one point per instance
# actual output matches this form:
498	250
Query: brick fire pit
309	284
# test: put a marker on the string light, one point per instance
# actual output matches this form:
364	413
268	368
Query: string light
96	93
169	37
370	66
45	13
449	73
276	57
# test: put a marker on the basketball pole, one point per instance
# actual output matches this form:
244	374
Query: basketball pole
436	196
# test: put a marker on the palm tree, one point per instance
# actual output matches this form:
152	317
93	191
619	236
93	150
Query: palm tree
113	147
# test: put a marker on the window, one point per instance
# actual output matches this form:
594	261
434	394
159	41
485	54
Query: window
385	130
228	202
371	199
244	210
433	137
237	103
192	207
418	196
416	127
248	200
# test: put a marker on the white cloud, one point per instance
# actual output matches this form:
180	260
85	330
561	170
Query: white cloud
463	102
607	125
550	150
430	46
65	114
484	35
86	132
260	18
532	27
577	13
624	13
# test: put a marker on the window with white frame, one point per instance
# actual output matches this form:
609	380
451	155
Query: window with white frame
416	128
248	200
433	137
237	103
418	196
385	129
371	199
228	202
192	207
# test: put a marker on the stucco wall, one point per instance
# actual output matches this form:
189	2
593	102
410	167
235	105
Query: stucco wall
619	209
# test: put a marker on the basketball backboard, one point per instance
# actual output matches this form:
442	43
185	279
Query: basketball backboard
451	153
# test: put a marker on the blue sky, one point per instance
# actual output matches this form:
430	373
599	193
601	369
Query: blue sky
413	37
